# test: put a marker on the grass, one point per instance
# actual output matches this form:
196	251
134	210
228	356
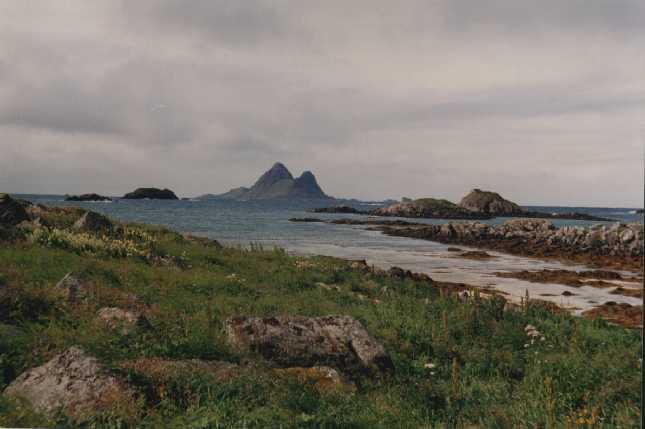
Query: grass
485	371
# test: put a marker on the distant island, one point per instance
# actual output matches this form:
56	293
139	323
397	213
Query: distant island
477	204
87	197
277	184
150	193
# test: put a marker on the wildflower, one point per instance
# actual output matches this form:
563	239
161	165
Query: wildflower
429	365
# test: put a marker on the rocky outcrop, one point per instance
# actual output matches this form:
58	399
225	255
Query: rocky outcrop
72	381
150	193
618	243
337	341
277	184
12	212
628	316
93	222
429	208
87	197
489	203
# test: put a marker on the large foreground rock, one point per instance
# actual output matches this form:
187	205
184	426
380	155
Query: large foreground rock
11	211
337	341
73	381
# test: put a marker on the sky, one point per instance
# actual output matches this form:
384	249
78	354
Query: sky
543	102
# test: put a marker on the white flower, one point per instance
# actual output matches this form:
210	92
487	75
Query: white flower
526	345
429	365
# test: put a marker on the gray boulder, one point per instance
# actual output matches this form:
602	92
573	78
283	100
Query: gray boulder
337	341
73	381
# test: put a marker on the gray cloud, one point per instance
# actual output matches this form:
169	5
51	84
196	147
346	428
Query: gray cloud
543	101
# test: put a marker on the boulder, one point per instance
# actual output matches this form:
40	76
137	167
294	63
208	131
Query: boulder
73	381
12	212
71	288
337	341
93	222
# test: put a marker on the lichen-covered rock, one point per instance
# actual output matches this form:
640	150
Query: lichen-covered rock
11	211
72	381
93	222
337	341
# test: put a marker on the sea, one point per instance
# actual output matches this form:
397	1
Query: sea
267	224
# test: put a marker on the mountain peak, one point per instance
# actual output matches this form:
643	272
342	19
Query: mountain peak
278	183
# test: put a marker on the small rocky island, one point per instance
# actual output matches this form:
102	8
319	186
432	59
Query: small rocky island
477	205
150	193
429	208
87	197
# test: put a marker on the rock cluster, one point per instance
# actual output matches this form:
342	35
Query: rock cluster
93	222
534	236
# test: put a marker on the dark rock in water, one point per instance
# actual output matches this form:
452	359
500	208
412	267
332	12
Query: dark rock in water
151	193
337	341
87	197
278	184
204	241
490	203
12	212
93	222
429	208
401	274
305	219
72	381
338	209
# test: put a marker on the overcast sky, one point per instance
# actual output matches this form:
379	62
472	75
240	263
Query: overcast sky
542	101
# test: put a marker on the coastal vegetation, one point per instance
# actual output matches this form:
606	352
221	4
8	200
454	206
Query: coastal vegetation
150	306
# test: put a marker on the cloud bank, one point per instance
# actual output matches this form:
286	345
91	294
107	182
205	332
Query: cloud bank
541	101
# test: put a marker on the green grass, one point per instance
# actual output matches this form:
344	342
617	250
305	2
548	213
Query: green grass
487	373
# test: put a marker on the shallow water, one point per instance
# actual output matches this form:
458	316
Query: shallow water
268	224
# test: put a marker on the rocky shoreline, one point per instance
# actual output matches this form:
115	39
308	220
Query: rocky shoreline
619	246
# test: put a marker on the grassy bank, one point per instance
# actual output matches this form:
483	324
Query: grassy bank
457	364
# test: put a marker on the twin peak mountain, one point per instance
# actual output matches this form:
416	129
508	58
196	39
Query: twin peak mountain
278	184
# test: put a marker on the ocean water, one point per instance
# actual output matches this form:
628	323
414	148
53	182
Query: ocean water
241	223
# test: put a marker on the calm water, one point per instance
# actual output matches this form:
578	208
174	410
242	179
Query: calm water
239	223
